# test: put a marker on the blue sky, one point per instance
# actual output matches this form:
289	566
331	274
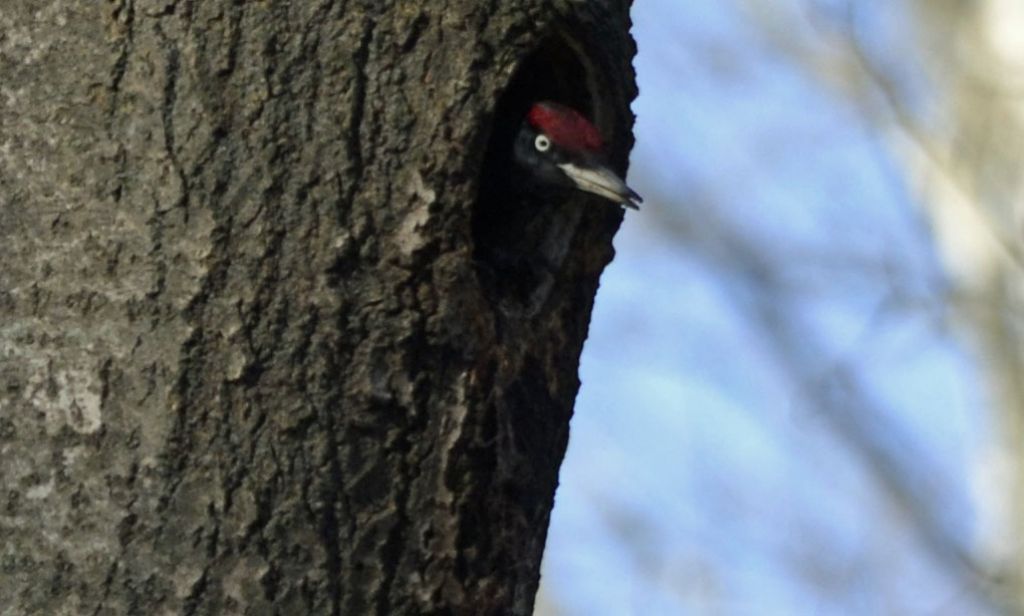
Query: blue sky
707	472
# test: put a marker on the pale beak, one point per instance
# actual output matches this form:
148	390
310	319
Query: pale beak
602	181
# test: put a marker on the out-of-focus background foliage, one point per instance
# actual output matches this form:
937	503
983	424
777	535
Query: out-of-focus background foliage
803	391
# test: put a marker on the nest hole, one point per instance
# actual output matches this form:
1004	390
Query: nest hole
518	229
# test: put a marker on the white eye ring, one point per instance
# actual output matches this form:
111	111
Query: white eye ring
542	143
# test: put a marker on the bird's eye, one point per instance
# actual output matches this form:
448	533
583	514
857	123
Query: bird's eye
542	143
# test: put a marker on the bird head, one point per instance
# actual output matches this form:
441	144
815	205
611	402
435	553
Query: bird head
558	145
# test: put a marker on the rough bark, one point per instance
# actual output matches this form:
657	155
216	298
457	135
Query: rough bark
250	360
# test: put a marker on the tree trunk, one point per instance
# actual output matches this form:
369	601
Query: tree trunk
251	357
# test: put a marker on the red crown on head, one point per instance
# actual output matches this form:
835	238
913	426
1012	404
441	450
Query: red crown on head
566	127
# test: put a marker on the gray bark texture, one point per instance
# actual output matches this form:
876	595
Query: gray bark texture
253	356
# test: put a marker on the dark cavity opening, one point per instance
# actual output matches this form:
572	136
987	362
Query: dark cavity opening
520	230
